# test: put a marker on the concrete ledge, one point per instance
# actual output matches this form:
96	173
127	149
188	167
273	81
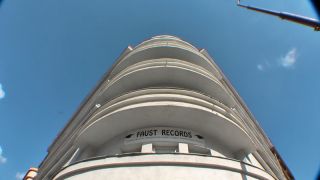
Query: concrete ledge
202	167
149	110
163	50
165	72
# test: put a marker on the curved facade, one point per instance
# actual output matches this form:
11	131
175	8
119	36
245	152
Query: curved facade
164	111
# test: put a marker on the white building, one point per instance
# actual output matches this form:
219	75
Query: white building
164	111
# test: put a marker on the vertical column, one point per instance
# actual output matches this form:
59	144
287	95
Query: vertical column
147	148
183	148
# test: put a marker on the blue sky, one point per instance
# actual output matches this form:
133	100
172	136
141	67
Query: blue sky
53	52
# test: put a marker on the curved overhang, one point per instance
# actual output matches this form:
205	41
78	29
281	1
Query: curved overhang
159	50
167	94
166	38
171	110
165	73
171	166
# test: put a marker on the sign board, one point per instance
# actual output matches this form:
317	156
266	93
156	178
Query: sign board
166	134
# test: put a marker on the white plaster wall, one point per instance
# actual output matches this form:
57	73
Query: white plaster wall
162	167
116	146
111	147
157	173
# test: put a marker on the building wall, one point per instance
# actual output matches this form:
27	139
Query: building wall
162	167
162	83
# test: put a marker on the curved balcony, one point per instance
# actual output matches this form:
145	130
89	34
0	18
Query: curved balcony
166	38
162	167
164	49
170	108
165	73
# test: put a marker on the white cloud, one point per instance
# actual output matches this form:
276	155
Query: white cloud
260	67
2	158
289	60
19	175
264	66
2	93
